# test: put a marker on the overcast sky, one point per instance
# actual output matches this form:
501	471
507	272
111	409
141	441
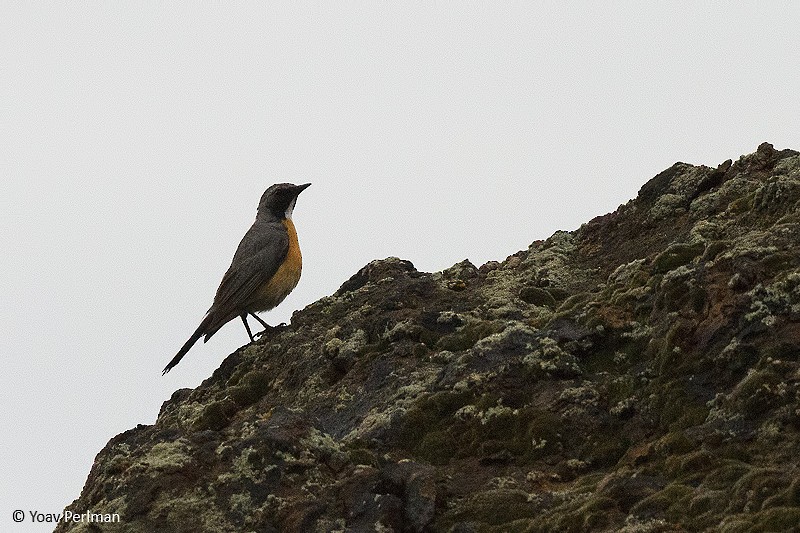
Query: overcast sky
137	138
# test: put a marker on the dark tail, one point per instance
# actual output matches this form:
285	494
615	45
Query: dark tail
199	332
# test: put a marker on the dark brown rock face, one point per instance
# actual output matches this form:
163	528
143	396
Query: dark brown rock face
639	374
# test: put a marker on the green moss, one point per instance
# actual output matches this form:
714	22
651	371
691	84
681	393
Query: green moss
743	204
734	451
677	255
691	464
594	514
725	475
251	388
466	337
537	296
542	432
776	519
793	493
437	447
558	293
753	489
117	465
671	501
362	456
432	432
612	352
487	401
704	503
431	413
691	415
588	482
676	442
714	249
493	507
681	293
571	304
756	394
675	410
501	427
777	262
369	351
429	338
671	355
781	351
215	415
602	450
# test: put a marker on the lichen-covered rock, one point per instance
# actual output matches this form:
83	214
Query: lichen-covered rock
640	374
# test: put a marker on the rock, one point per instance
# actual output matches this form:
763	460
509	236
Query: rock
638	374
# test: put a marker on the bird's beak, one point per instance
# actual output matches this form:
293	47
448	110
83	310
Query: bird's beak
300	188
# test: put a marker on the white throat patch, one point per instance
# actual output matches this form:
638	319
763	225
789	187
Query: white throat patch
290	208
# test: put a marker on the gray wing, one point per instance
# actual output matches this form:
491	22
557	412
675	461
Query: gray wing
261	252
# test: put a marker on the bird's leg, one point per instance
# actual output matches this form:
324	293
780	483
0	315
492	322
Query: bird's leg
247	327
259	319
266	326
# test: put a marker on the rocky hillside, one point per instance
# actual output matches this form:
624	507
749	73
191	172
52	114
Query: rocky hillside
639	374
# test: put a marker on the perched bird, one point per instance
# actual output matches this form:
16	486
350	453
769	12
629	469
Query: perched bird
265	268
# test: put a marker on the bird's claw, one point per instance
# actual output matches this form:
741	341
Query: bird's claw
270	329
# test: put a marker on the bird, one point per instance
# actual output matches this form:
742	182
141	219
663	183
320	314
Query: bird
265	268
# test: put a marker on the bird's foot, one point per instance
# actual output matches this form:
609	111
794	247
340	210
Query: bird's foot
269	330
263	332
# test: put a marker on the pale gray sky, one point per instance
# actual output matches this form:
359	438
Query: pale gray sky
137	138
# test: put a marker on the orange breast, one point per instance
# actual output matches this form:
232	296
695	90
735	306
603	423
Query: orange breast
287	276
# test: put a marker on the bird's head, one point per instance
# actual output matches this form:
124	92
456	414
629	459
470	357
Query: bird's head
278	201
